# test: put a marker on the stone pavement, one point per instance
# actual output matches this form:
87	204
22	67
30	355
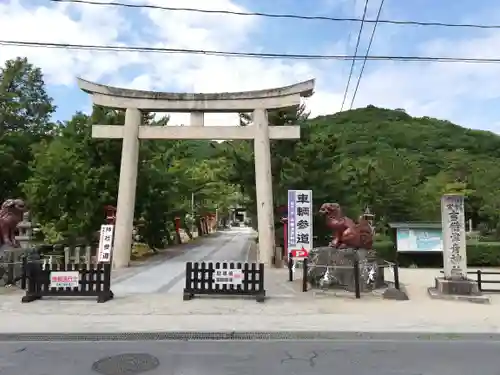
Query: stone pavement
167	312
162	255
168	276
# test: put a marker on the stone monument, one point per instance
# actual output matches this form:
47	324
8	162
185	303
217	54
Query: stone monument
454	284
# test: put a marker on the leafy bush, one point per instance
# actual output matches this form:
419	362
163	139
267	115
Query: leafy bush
483	229
385	250
382	237
483	254
141	250
479	254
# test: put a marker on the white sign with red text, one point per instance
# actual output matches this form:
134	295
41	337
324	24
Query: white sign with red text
228	277
64	279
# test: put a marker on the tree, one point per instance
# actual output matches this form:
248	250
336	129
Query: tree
68	188
25	106
240	155
74	176
25	110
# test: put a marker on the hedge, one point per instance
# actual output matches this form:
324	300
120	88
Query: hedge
479	254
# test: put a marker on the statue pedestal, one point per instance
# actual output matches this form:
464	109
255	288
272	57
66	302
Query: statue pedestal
340	265
457	289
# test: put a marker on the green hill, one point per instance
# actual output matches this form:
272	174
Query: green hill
397	164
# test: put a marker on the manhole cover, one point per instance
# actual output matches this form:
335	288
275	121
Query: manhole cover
126	364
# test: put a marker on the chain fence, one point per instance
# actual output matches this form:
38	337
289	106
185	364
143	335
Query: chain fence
360	276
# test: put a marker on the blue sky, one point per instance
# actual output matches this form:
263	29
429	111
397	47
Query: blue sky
465	94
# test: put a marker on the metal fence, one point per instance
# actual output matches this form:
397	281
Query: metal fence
225	278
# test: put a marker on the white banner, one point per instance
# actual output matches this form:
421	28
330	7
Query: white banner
300	223
105	243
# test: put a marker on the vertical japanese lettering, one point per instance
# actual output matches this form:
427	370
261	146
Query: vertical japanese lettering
300	220
454	235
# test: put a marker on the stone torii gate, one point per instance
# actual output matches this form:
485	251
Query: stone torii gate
135	101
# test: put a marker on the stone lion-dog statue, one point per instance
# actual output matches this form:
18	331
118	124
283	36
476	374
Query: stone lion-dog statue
11	214
347	233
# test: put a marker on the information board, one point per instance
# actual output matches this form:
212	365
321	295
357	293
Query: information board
419	240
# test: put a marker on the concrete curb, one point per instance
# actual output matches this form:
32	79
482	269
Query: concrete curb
247	336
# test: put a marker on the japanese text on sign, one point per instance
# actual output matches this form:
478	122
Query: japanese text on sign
300	224
105	243
64	279
455	227
228	277
454	235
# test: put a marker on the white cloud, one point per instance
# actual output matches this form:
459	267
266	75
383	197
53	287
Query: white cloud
422	89
437	89
55	24
202	30
81	24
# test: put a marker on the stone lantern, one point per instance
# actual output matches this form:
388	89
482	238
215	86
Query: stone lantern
368	216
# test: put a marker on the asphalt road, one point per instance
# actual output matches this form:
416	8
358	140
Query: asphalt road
358	357
168	276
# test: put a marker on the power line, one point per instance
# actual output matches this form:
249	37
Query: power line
351	29
284	15
355	55
367	53
111	48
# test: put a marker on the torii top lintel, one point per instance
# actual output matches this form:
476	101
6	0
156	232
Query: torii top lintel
280	97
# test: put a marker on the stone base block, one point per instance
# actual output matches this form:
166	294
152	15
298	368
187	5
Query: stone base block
395	294
457	289
340	263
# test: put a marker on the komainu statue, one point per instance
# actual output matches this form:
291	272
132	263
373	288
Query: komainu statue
347	233
332	266
11	214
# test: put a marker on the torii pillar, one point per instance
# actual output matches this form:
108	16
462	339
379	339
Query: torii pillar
136	101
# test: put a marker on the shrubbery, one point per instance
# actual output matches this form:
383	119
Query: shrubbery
479	254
